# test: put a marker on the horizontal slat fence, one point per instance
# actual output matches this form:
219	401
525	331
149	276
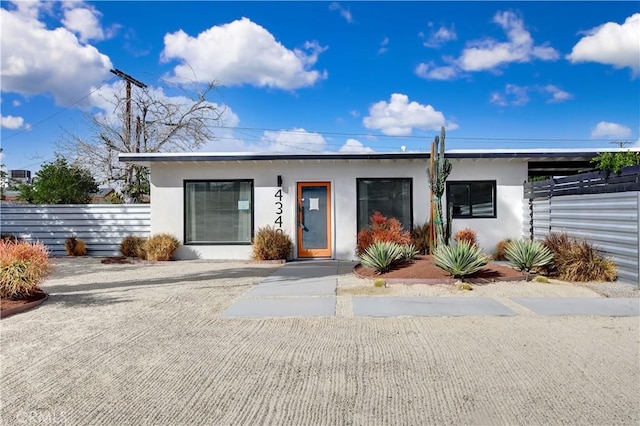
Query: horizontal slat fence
609	221
101	226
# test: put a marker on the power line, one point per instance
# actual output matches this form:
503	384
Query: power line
58	112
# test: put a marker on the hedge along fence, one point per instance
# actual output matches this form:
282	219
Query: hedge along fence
101	226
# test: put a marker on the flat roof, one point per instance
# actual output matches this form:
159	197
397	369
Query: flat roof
526	154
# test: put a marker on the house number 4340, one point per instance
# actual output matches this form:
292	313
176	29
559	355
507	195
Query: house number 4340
278	204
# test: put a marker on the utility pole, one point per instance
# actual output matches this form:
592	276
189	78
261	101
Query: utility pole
127	120
127	117
621	144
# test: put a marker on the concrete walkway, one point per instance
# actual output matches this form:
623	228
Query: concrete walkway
308	289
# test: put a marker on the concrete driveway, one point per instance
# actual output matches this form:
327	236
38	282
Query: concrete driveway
148	344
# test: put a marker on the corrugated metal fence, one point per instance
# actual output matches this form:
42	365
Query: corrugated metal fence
101	226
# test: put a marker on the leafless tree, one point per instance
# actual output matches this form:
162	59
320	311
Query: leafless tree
155	123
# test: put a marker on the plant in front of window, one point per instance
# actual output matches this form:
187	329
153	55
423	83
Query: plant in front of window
468	235
161	247
420	237
381	256
271	243
527	256
382	229
460	260
438	170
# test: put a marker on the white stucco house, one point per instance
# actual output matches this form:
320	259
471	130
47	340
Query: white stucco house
214	202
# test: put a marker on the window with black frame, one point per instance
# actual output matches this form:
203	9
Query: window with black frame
392	197
472	199
218	212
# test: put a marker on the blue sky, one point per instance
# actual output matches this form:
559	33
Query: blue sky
331	76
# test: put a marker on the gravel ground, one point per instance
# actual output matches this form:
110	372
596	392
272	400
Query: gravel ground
145	344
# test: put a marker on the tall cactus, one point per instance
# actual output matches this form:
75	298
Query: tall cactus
438	170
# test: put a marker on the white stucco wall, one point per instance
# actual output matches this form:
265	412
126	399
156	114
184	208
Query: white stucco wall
167	202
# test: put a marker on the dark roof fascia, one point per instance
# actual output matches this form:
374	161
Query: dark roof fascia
346	156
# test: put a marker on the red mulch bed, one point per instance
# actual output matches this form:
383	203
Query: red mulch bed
424	271
11	306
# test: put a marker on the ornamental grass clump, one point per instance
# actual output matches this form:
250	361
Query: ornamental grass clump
23	266
381	256
420	237
161	247
461	259
133	246
527	256
75	247
577	260
501	249
271	243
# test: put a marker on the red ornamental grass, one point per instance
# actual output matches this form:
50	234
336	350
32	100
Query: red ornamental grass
382	229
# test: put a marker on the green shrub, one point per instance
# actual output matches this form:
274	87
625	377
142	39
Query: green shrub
460	260
541	279
501	249
408	252
464	286
527	255
420	237
75	247
379	283
23	266
132	246
271	243
381	256
161	247
577	260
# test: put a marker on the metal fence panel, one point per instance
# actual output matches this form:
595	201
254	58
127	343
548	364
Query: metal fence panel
609	221
101	226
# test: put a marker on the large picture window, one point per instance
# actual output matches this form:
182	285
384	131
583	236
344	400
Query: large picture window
218	212
391	197
472	199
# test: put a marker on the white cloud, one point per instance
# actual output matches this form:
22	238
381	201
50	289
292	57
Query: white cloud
488	53
611	44
432	72
37	60
294	140
354	113
16	103
345	13
383	46
399	117
557	95
11	122
242	52
85	22
355	146
513	95
439	37
606	129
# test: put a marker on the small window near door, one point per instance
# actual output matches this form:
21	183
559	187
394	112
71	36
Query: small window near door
472	199
218	212
391	197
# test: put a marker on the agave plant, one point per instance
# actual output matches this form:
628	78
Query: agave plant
461	259
381	256
409	252
526	255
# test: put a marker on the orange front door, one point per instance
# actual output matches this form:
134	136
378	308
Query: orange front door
314	219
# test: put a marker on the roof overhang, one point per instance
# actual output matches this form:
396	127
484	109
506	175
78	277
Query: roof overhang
531	155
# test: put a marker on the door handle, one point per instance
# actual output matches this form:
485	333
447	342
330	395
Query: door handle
301	216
